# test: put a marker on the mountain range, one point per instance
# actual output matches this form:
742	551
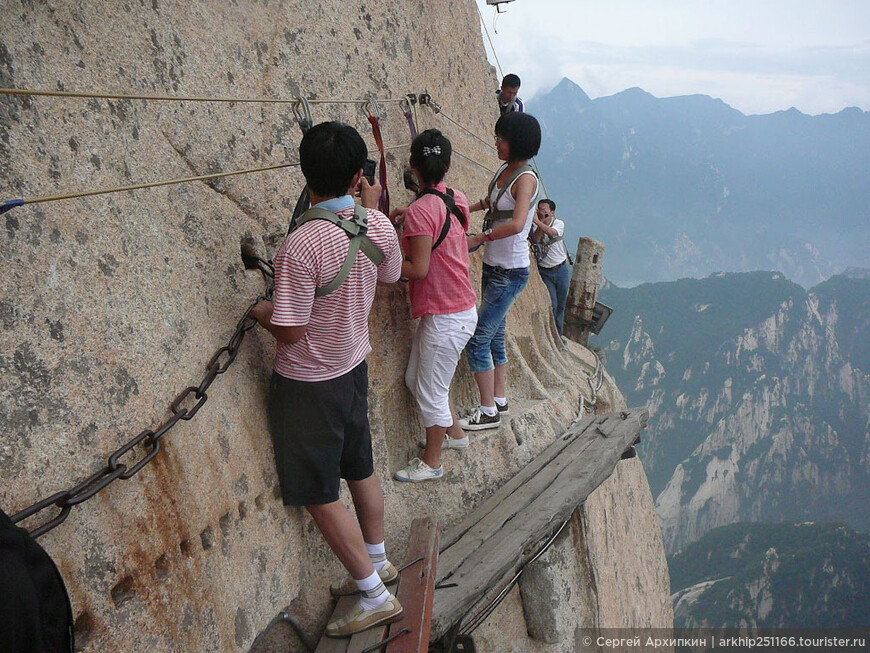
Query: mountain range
687	186
759	397
786	575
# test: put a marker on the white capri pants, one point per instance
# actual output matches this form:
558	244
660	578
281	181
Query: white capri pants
436	347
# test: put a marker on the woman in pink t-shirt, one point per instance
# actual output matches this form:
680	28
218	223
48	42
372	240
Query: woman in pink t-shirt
437	264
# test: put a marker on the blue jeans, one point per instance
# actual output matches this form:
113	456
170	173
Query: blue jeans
558	281
499	290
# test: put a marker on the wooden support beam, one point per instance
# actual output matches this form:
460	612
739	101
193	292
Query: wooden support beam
417	589
496	539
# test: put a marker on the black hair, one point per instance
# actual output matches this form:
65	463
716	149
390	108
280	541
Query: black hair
522	132
330	154
430	154
510	81
549	202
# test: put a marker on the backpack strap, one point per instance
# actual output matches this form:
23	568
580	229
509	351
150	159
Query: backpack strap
494	215
356	229
450	203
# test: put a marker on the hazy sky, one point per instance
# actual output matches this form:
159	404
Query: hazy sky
759	56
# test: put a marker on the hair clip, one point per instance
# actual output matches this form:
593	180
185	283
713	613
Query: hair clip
427	151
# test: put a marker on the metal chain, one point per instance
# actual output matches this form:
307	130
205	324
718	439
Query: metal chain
148	440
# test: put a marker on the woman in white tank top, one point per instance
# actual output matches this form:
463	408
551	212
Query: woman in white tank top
511	205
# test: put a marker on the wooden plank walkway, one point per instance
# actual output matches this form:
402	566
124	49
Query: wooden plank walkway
415	591
496	539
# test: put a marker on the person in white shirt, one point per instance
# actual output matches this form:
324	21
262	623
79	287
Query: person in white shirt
548	236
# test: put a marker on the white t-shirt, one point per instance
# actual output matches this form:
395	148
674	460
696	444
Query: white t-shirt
512	252
557	253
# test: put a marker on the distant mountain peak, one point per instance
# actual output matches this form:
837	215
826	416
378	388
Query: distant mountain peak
567	90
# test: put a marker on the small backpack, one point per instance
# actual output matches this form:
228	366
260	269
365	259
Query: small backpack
450	203
35	611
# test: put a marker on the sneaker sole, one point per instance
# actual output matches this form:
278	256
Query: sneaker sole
447	447
386	619
481	427
417	480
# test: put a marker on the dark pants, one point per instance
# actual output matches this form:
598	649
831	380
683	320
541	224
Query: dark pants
320	432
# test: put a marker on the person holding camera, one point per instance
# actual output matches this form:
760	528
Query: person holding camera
510	205
552	255
326	271
442	298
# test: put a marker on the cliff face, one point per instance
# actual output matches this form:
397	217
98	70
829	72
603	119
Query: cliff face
758	395
112	305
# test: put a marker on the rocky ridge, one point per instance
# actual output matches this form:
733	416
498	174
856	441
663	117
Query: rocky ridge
758	392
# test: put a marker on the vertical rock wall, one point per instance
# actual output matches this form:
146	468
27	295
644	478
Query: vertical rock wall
113	304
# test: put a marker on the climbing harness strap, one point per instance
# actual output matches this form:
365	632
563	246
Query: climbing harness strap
450	203
356	229
494	215
409	116
373	113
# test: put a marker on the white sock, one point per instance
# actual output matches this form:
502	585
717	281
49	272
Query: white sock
501	401
377	554
490	411
372	592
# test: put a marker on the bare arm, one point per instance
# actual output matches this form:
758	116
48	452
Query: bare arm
542	228
416	263
262	312
522	191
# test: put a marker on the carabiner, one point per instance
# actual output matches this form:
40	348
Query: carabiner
302	113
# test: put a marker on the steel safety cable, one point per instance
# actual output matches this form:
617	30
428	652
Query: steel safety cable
483	615
474	161
491	46
178	98
501	74
437	110
10	204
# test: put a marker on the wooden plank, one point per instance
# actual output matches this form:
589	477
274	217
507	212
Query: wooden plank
508	505
529	471
417	589
361	641
337	644
487	563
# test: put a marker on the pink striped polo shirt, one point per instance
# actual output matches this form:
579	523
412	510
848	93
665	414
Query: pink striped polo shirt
337	337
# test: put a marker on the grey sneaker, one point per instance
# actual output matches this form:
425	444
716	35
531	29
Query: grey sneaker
479	421
449	443
388	573
502	410
417	471
358	619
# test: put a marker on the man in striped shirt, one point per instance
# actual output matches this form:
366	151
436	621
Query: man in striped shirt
318	398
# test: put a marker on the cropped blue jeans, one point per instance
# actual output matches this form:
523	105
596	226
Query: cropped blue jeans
500	288
558	282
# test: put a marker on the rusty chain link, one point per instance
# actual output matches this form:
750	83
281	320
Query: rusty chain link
148	440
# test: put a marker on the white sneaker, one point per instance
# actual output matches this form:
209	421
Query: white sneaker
417	471
449	443
478	421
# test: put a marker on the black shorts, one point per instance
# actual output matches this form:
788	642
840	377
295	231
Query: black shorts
320	432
